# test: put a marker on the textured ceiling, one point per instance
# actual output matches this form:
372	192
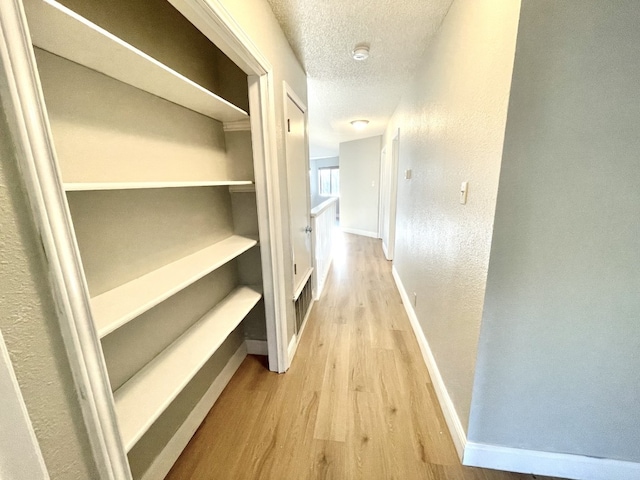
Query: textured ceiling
323	33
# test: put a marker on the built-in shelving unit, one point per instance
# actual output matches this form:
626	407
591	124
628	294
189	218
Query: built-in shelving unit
105	53
150	275
116	307
91	186
142	399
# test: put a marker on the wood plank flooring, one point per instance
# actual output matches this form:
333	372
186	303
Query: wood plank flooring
357	403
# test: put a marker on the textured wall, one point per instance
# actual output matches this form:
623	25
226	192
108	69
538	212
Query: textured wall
452	122
558	356
360	185
29	325
257	20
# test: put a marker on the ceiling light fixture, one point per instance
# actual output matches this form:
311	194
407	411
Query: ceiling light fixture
359	124
360	52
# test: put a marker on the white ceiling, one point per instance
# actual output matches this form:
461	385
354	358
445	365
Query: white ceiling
323	33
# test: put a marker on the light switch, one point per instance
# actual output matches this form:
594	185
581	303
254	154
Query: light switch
464	188
407	174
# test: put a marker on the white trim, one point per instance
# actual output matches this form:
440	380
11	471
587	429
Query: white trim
257	347
384	250
356	231
172	450
217	24
450	415
564	465
20	455
27	116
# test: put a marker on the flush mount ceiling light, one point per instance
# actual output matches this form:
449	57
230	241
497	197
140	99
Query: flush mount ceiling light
360	52
359	124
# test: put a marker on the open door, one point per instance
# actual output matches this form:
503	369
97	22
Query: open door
389	197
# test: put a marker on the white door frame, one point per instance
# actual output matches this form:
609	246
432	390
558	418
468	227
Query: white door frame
23	103
390	171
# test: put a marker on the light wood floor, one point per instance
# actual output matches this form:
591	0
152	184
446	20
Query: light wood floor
357	403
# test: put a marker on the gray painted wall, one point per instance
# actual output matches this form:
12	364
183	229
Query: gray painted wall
29	324
360	185
452	122
558	361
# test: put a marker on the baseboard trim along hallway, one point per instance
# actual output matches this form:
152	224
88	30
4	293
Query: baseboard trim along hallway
450	415
546	463
505	458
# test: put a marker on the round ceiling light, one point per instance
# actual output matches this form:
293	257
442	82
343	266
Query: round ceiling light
360	52
360	124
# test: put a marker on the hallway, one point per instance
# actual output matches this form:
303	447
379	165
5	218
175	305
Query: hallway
357	403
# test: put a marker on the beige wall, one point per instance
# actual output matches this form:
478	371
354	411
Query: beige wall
29	324
257	20
360	185
452	122
558	360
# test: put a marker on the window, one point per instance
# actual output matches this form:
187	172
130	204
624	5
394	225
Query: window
329	181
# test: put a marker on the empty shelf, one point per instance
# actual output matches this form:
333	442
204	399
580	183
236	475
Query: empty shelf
89	186
93	47
141	400
116	307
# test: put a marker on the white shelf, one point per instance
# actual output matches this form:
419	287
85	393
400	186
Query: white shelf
91	186
141	400
116	307
61	31
244	188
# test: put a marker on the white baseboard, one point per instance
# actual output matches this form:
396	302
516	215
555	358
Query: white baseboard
321	279
170	453
257	347
364	233
546	463
450	415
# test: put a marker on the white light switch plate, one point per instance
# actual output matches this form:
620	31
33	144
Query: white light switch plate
464	188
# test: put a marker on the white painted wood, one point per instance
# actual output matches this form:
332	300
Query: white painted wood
92	186
237	126
116	307
251	188
20	456
297	156
563	465
141	400
389	197
170	453
257	347
24	107
446	404
215	22
323	220
87	44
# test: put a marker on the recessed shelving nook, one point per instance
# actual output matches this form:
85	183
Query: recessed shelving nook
159	180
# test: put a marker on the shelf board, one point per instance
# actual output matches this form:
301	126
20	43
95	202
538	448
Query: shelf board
61	31
91	186
116	307
243	188
141	400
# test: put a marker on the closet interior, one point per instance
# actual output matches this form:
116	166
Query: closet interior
151	131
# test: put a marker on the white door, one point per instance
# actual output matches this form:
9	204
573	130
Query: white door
298	187
389	196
